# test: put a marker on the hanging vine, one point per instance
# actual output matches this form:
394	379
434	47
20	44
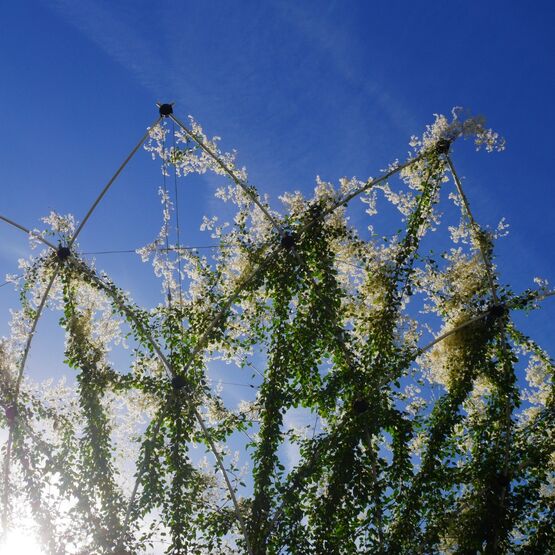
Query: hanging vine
406	364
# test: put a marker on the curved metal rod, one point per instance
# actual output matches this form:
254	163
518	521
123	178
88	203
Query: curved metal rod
373	182
111	181
41	308
97	200
21	369
445	335
28	232
231	174
347	198
368	185
13	424
169	367
341	342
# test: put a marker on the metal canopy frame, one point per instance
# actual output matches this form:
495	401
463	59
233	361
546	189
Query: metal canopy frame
166	111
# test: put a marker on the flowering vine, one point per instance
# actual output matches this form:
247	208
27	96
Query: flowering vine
407	363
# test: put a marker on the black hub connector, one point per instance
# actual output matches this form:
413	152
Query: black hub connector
360	406
178	382
497	310
63	253
166	110
11	411
288	240
503	480
443	146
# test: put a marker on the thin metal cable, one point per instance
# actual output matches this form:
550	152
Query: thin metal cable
489	273
177	226
171	248
475	228
246	188
237	384
250	365
41	308
15	278
166	221
83	267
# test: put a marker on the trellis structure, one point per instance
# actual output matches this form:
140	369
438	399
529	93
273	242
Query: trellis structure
472	472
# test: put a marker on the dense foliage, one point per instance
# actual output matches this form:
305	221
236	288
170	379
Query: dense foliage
433	415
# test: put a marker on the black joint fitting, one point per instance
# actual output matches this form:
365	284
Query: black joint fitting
497	310
503	480
443	146
165	110
178	382
315	211
360	406
63	253
288	240
11	411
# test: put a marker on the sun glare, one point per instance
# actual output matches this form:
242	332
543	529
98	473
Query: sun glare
20	543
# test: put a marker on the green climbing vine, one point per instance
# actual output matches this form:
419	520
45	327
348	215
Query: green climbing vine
427	416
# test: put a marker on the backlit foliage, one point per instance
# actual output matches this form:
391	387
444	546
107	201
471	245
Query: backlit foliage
432	415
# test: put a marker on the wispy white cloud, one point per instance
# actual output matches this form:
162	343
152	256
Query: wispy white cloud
114	36
149	49
341	48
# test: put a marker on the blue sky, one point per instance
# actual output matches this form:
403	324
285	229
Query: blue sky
298	88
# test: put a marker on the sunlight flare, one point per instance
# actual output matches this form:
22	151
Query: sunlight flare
19	542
